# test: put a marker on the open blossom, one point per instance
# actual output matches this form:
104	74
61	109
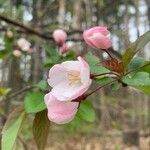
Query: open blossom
60	112
69	79
97	37
17	53
60	36
63	49
23	44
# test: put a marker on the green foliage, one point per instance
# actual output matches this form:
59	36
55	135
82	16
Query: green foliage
138	62
95	65
34	102
135	47
41	126
4	91
86	111
12	127
41	85
103	80
115	86
4	53
140	80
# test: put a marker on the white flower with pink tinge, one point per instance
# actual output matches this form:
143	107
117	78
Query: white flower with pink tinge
60	112
23	44
17	53
69	79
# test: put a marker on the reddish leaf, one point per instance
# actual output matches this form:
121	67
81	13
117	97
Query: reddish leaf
114	65
40	129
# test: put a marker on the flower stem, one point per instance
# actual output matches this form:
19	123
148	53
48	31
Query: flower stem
93	76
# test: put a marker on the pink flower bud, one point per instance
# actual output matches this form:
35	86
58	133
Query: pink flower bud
59	36
63	49
58	111
97	37
10	34
69	79
17	53
23	44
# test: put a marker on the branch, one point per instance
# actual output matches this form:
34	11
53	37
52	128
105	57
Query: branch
26	28
47	35
18	92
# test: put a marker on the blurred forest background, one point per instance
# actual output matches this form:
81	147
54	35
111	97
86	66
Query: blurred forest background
122	116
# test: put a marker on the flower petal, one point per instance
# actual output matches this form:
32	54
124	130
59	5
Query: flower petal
60	112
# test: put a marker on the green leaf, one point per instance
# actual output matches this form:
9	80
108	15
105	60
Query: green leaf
138	62
48	63
34	102
94	63
3	53
86	111
147	67
145	89
115	86
11	128
103	80
42	85
140	80
4	91
135	47
41	126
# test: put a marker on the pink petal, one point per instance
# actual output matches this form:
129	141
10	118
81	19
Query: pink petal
60	112
57	74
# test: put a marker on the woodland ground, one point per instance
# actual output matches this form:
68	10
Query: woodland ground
61	141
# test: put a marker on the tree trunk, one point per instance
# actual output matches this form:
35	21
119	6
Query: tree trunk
61	12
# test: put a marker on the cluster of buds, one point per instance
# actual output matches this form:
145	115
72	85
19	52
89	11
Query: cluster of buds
60	37
22	45
71	79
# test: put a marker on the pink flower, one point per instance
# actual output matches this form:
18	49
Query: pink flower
63	49
69	79
17	53
23	44
58	111
96	37
59	36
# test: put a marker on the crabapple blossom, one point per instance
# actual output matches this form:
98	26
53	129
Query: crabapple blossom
23	44
59	36
17	53
97	37
70	79
60	112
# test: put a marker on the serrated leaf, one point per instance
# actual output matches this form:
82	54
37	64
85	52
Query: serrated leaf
94	64
41	126
12	127
138	62
86	111
140	81
135	47
42	85
34	102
